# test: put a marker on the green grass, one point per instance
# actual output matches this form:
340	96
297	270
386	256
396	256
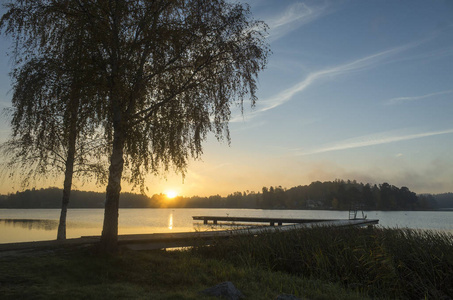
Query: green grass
393	263
320	263
146	275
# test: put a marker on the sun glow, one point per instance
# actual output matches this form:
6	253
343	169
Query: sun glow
171	194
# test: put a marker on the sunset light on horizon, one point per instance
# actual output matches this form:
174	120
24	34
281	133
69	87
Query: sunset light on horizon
171	194
359	90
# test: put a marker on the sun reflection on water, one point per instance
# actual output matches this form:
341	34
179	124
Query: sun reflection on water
170	222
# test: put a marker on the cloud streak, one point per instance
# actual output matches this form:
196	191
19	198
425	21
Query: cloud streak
332	72
372	140
398	100
293	17
313	77
360	64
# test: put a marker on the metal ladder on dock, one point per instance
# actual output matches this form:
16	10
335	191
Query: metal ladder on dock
353	209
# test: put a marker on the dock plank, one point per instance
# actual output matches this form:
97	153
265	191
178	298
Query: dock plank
170	240
271	221
151	241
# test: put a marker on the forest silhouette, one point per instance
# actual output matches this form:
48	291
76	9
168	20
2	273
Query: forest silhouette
337	195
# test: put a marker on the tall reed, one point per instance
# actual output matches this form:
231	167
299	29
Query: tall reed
382	262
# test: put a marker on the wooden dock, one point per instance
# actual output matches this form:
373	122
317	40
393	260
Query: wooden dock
181	239
186	239
270	221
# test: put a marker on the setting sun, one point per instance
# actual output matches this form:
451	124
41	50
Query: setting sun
171	194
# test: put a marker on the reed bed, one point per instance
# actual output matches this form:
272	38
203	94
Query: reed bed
378	262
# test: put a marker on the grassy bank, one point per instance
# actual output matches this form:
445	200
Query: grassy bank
387	263
320	263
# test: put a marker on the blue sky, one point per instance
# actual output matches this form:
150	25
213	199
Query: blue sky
353	90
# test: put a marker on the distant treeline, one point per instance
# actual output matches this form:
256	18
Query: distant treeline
338	195
51	198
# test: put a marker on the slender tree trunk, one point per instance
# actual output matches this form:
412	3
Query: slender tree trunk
69	171
61	235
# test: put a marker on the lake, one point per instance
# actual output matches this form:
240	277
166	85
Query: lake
22	225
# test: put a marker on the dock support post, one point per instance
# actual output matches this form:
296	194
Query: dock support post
272	224
215	221
205	221
279	223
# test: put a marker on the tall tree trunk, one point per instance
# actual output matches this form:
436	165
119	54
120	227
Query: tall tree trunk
61	235
109	238
69	171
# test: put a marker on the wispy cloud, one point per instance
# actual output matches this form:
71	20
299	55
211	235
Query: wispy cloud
293	17
372	140
430	55
313	77
413	98
360	64
332	72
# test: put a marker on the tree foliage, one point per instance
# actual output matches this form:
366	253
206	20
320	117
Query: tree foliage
45	120
54	129
167	73
174	68
53	89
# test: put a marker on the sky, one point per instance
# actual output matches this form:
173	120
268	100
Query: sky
359	90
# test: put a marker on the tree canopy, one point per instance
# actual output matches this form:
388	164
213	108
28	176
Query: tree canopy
166	72
54	131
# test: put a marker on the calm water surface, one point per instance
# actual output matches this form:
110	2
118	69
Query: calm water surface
20	225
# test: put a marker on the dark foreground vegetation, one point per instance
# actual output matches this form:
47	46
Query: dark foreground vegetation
336	194
319	263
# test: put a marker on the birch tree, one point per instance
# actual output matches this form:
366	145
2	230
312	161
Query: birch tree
53	131
172	70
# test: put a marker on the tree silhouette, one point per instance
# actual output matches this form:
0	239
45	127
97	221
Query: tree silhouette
54	132
171	71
